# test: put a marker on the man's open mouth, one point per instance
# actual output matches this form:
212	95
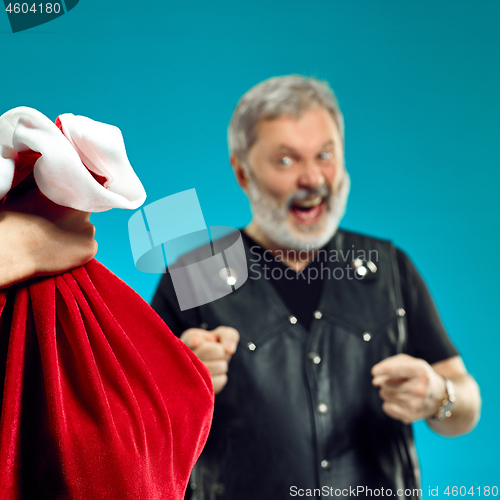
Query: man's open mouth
308	211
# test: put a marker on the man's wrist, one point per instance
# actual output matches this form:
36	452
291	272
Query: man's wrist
445	408
13	269
16	259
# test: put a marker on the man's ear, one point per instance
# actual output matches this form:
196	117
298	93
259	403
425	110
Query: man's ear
240	172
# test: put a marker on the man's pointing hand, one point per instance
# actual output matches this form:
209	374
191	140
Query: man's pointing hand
409	386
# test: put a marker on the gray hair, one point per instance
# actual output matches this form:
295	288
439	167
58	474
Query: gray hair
279	96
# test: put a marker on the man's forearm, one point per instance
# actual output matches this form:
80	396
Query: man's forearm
466	408
39	238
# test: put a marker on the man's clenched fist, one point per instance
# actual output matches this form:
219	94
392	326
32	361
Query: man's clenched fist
215	349
410	388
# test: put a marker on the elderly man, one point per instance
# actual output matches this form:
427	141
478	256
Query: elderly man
333	346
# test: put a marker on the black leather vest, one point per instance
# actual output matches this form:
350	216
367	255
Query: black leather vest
299	411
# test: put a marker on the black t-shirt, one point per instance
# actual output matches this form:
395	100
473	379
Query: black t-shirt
427	337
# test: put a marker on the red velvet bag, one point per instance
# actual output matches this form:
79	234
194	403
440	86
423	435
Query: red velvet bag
99	399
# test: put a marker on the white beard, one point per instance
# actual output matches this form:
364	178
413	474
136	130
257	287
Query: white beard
272	218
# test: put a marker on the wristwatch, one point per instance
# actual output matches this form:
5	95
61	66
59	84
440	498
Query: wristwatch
444	410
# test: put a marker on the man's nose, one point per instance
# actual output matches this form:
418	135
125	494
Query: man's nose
311	176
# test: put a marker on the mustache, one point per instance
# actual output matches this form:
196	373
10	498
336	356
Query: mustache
306	193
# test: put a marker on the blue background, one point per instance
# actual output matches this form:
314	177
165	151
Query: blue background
418	83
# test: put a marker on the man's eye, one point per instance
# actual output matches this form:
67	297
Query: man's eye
325	156
285	160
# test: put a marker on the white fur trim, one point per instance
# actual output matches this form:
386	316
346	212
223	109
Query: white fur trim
60	173
7	167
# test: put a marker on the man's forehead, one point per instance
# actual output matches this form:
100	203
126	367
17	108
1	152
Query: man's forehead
287	148
314	128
